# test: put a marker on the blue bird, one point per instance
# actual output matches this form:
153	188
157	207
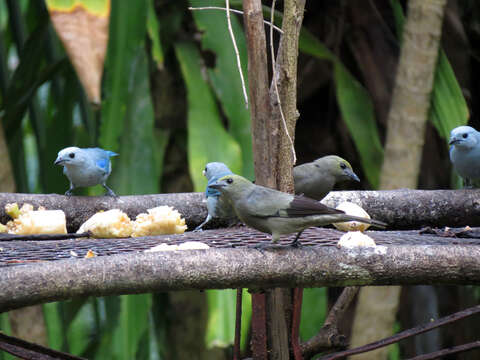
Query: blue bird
217	205
86	167
465	153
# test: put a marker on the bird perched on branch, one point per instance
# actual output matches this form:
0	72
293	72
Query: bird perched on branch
317	178
465	153
278	213
86	167
217	206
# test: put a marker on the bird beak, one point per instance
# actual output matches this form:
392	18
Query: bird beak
218	185
351	175
59	161
453	141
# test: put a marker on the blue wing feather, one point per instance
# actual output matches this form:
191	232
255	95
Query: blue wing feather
103	164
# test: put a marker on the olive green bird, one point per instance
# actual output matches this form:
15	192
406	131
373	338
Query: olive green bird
317	178
278	213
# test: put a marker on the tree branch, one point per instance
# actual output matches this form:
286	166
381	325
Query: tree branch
329	337
405	334
260	109
284	88
221	268
444	352
401	209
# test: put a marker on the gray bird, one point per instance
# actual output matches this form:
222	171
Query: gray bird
317	178
217	206
86	167
278	213
465	153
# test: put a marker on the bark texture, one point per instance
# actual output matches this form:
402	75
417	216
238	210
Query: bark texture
286	79
400	209
238	268
264	152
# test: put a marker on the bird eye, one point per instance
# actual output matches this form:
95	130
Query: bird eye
465	136
229	180
71	155
343	166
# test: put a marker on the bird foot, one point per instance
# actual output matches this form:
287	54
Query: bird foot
110	192
69	192
296	244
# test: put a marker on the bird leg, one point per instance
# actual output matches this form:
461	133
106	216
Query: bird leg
109	191
69	192
467	183
295	242
199	227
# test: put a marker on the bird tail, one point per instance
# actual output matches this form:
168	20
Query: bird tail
377	223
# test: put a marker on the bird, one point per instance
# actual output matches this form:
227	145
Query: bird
278	213
217	206
317	178
465	153
86	167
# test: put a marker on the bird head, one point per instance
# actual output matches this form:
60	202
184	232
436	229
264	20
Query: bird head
216	170
463	137
233	186
70	156
337	167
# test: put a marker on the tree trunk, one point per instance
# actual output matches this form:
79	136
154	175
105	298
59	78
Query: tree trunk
403	149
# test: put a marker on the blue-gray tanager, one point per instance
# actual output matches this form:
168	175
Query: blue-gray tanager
465	153
86	167
278	213
317	178
217	206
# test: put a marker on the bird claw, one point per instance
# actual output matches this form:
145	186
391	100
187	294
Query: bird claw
110	192
296	244
68	192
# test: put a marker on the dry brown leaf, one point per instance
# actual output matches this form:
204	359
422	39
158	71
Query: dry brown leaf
84	35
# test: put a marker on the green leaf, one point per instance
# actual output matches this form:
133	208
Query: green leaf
81	329
314	312
449	108
153	28
127	112
135	170
207	138
54	325
224	76
5	328
133	322
358	113
126	41
58	115
221	317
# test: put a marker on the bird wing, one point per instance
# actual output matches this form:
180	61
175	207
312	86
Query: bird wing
101	158
272	203
103	164
304	206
